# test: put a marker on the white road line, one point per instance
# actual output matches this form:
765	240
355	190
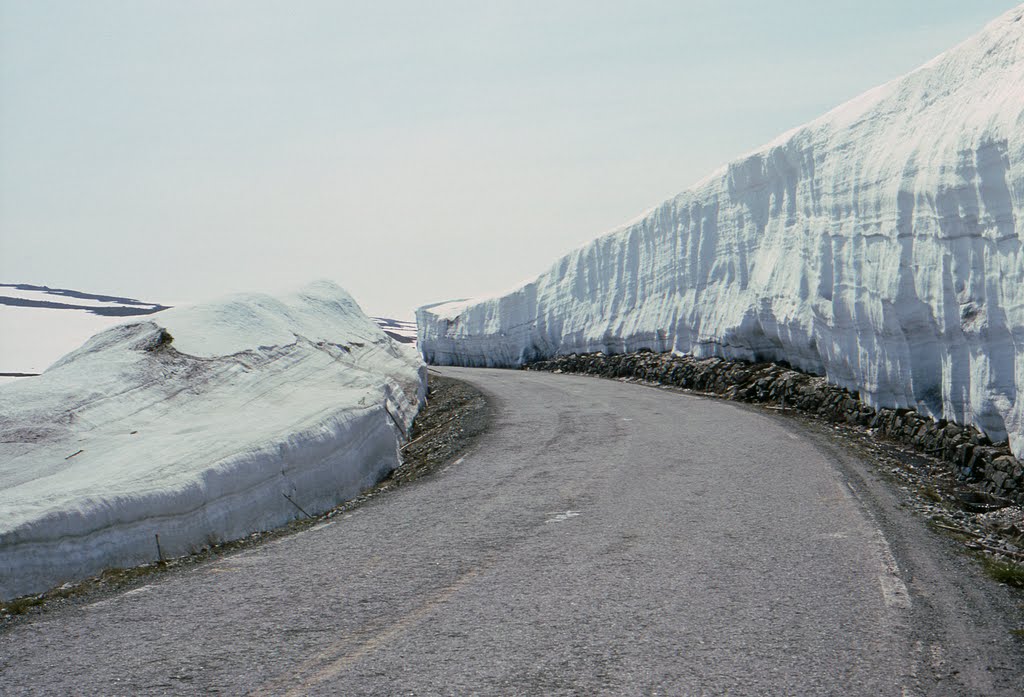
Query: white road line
894	591
562	517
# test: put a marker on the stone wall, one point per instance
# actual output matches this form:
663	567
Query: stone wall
990	467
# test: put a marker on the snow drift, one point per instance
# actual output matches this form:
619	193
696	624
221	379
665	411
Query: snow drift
879	245
196	426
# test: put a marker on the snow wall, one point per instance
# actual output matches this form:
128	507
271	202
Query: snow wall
879	245
196	426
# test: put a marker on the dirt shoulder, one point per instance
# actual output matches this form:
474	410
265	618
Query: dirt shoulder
456	414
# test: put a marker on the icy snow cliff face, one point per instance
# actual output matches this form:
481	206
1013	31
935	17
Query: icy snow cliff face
195	426
879	245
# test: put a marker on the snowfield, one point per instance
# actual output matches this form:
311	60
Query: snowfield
195	425
38	324
402	331
879	245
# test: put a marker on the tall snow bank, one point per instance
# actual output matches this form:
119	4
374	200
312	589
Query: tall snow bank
195	426
879	245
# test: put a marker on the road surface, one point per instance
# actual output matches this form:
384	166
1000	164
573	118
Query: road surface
602	538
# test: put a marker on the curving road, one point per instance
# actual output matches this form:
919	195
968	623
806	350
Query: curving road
602	538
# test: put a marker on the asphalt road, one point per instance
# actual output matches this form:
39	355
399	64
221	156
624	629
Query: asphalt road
602	538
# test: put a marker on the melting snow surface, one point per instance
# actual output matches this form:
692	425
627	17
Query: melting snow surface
879	245
195	425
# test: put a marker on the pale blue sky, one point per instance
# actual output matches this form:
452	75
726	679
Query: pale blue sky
411	151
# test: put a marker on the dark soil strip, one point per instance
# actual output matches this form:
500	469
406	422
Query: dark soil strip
103	311
79	295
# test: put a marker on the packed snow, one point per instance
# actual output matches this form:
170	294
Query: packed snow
198	424
879	245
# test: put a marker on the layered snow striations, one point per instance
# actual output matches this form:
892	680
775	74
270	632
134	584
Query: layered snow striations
205	423
879	245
